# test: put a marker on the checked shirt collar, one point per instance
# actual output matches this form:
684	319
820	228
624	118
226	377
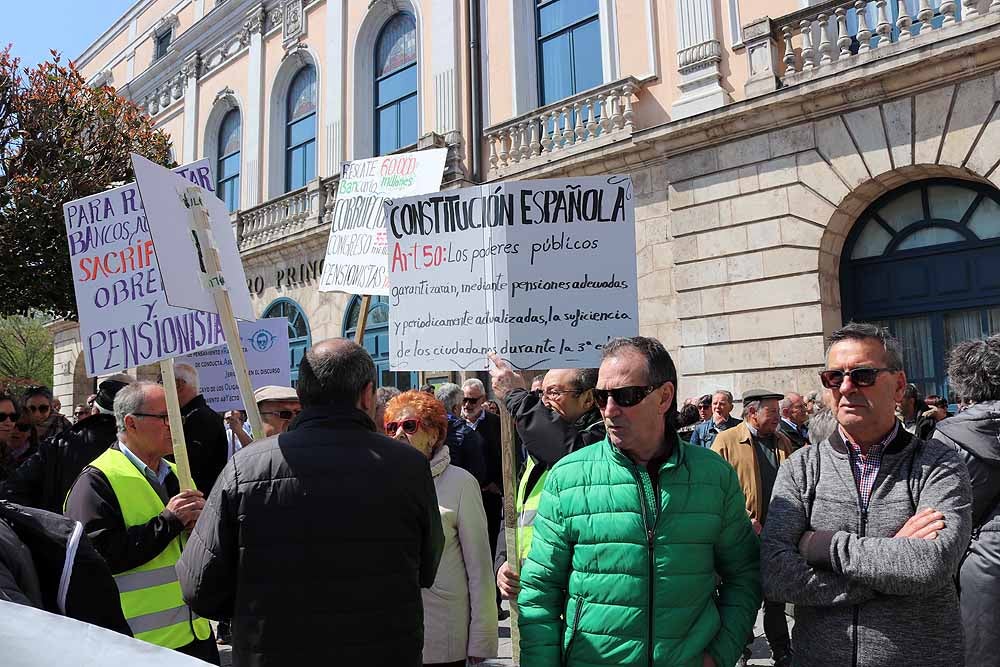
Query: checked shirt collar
866	467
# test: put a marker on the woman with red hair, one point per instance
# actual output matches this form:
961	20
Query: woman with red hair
460	614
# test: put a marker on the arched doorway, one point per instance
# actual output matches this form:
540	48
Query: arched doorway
299	338
924	260
376	340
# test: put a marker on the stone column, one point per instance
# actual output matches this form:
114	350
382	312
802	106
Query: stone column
190	72
762	57
253	29
333	107
698	58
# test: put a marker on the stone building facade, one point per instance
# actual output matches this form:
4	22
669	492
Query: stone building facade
830	162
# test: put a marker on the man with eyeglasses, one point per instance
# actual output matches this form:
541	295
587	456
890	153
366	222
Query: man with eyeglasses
642	551
564	419
80	413
38	403
866	530
135	513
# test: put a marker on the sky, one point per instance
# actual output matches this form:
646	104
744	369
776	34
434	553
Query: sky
69	26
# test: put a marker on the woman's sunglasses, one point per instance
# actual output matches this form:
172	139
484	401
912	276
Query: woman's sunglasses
860	377
39	408
625	397
13	416
410	426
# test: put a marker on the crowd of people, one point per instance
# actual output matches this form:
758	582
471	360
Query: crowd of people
364	525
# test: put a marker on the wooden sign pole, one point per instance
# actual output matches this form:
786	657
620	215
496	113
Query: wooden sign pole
508	459
176	425
359	335
217	283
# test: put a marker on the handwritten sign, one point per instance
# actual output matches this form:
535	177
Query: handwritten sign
180	249
356	260
542	271
265	343
125	320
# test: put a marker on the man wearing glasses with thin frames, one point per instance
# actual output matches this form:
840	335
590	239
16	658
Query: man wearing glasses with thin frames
866	529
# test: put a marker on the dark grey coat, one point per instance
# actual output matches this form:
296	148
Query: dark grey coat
863	598
975	435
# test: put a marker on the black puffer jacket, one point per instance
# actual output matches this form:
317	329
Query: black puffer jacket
45	478
316	543
975	433
46	561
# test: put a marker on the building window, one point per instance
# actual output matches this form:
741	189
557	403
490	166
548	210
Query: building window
922	262
396	85
162	42
300	132
376	340
569	48
299	339
228	165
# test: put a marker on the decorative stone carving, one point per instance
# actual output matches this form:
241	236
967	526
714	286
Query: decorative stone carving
102	79
192	66
762	54
225	94
168	22
698	58
255	23
293	24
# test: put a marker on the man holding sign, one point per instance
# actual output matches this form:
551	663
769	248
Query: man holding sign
131	506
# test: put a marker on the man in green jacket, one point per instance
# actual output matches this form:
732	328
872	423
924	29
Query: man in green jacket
643	553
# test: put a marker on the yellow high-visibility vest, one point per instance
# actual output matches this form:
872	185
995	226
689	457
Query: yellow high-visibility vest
526	504
150	594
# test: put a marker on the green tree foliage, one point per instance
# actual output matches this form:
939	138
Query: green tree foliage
25	352
60	140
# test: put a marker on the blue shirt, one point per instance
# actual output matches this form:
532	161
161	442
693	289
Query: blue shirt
705	432
159	476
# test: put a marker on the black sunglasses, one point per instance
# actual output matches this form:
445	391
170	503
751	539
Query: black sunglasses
39	408
472	401
410	426
860	377
4	416
625	397
283	414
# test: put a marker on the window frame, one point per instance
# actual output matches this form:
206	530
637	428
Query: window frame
220	157
290	151
566	29
159	41
378	106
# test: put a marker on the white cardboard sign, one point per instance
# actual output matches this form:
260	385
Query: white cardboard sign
178	251
265	343
543	272
125	320
355	260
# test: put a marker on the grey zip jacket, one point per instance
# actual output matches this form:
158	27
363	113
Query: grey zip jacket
863	598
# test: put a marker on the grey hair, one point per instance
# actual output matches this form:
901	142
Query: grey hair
474	382
450	395
129	400
727	394
187	373
866	331
385	394
811	396
784	403
750	405
821	425
974	369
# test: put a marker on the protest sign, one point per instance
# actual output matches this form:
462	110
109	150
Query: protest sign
180	250
125	320
265	343
542	272
356	260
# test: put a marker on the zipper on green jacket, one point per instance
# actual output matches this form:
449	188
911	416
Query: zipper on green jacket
573	628
650	514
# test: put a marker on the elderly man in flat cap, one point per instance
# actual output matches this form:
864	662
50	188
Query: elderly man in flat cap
756	448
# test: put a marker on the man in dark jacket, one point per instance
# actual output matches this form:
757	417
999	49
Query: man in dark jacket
46	477
560	421
329	534
467	447
866	530
974	374
793	420
47	562
204	430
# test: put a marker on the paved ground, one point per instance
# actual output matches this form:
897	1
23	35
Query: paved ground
761	653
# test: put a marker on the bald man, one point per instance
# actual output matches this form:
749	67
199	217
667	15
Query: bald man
331	531
794	417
